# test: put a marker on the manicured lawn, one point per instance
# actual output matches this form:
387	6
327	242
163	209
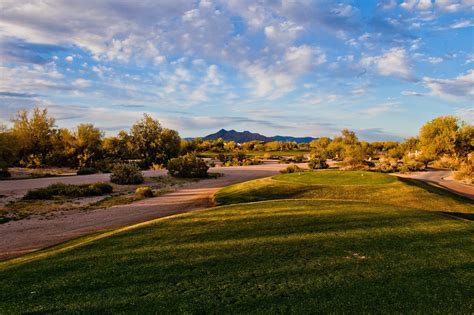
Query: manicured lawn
345	185
277	256
337	178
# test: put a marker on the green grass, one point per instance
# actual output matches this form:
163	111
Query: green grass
307	255
372	187
337	178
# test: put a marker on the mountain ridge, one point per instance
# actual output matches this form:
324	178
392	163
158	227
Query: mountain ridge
245	136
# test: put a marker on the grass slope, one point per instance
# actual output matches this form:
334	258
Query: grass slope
345	185
277	256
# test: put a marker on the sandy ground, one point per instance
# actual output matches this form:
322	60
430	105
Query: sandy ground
21	186
36	232
440	177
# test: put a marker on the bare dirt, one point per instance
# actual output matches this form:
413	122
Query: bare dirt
36	232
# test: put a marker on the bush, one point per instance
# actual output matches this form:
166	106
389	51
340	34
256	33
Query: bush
104	188
292	168
86	171
126	174
386	166
410	165
317	163
144	191
465	172
97	189
188	166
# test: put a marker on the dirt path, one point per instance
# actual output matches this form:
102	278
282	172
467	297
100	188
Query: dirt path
21	186
36	232
437	177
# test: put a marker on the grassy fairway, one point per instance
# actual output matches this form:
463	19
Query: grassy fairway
277	256
337	178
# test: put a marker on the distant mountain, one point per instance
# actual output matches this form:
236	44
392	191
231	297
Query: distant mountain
245	136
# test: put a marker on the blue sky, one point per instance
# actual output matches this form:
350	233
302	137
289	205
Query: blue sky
301	68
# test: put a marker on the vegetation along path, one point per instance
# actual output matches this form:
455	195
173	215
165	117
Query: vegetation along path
20	237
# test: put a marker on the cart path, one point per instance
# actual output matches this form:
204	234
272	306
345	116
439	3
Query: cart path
36	232
437	177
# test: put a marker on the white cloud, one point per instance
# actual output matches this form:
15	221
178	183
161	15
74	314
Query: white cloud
380	109
283	32
460	87
435	60
408	4
69	59
82	83
424	5
462	24
412	93
393	62
453	5
466	114
301	59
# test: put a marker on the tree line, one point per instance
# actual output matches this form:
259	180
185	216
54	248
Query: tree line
35	141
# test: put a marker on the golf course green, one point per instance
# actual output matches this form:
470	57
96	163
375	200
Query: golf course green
312	242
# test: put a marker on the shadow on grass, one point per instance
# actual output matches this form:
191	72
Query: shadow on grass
142	272
467	216
432	187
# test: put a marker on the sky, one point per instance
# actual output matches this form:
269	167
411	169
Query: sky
300	68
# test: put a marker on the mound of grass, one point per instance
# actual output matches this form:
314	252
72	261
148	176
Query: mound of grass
338	178
288	256
386	189
97	189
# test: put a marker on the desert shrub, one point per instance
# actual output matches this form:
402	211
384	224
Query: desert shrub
86	171
317	163
385	166
465	172
104	188
126	174
144	191
188	166
292	168
97	189
412	165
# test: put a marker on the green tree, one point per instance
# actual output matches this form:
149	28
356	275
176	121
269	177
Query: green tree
152	144
87	144
171	145
438	136
321	143
34	136
464	144
8	152
146	139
